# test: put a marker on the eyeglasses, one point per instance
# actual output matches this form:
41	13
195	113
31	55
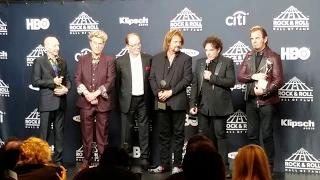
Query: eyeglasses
135	45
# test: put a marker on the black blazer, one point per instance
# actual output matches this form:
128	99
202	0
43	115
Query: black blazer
179	77
223	82
42	77
124	80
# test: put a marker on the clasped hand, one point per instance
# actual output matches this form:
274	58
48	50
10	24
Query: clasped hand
207	74
164	95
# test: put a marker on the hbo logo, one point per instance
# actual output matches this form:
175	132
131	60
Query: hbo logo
37	24
294	53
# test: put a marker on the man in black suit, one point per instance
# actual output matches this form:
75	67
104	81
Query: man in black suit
132	84
50	74
171	73
211	95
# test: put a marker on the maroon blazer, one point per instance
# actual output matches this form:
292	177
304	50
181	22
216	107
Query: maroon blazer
105	76
275	76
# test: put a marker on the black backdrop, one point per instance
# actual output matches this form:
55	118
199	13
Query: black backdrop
292	27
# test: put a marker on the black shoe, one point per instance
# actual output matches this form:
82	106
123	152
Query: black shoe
144	164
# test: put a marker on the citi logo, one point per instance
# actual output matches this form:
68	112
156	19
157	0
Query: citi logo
237	19
294	53
37	24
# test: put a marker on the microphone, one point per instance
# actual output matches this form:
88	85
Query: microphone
207	64
163	84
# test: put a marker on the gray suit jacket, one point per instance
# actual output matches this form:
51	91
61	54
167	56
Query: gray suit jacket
42	77
124	80
222	85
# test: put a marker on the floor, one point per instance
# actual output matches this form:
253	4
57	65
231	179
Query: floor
147	176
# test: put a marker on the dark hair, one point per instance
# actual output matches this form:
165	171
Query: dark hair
114	156
215	41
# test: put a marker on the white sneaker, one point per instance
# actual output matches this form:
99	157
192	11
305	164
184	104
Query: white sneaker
176	170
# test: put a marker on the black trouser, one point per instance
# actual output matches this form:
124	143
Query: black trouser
137	109
57	118
171	120
214	127
261	117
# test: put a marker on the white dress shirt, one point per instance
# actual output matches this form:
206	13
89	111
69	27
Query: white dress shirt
137	75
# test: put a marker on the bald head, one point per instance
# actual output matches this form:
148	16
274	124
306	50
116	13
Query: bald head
52	46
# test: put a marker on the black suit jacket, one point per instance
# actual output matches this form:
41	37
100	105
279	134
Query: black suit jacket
222	85
42	77
124	80
179	77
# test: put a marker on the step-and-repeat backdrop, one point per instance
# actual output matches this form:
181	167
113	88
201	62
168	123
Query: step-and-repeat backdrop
293	31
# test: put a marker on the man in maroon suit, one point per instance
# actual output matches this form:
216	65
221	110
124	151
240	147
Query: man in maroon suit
94	77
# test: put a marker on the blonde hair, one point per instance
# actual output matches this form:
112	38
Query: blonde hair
98	34
34	151
250	163
169	36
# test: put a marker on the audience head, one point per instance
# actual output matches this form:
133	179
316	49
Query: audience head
251	162
114	156
34	151
197	138
202	161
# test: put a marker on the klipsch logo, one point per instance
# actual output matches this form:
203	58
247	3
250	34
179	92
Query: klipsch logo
237	19
186	21
134	21
37	52
237	123
237	52
306	125
295	90
291	19
302	162
4	89
3	28
83	24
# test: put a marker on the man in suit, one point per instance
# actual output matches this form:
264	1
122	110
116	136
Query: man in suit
211	95
132	84
51	75
171	73
94	77
261	71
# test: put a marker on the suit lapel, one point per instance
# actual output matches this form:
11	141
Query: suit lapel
253	63
202	68
262	63
49	66
127	67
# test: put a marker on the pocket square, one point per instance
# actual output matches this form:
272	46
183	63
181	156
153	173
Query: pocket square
147	68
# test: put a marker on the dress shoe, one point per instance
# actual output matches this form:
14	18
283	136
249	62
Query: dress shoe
82	167
144	164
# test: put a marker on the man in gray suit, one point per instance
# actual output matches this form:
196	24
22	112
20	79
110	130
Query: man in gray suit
135	95
211	95
50	74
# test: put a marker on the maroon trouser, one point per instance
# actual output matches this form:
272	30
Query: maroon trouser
87	117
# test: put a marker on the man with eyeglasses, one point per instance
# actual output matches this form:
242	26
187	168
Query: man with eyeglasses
135	96
94	77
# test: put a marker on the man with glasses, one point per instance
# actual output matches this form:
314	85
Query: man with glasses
135	96
94	77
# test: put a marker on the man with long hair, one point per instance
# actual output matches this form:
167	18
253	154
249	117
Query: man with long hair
171	73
